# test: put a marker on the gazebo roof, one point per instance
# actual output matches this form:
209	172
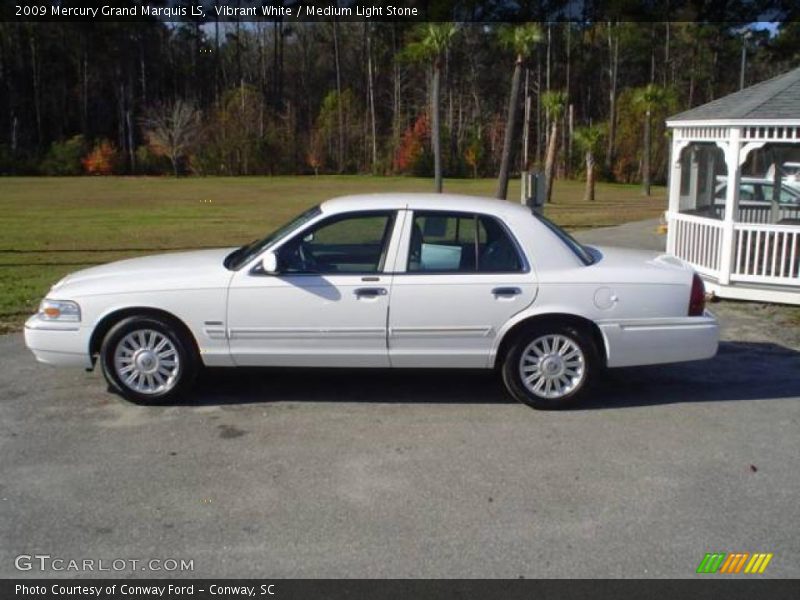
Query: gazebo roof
776	98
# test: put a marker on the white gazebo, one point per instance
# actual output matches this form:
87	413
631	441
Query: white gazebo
734	192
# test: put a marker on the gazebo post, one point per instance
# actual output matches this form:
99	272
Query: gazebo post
674	190
694	176
774	209
710	181
731	205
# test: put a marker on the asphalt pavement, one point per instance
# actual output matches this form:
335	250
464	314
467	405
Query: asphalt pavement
283	473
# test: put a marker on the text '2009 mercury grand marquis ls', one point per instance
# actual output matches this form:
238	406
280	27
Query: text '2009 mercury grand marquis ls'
391	280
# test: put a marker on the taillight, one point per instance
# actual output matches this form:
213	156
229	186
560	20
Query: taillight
697	299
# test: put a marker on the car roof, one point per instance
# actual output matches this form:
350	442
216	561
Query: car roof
721	179
423	201
757	180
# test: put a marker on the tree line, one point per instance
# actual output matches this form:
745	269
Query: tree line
429	99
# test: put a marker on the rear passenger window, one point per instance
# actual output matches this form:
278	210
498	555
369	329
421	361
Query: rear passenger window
460	243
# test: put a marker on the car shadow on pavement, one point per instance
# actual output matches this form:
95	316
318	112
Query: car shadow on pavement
740	371
251	385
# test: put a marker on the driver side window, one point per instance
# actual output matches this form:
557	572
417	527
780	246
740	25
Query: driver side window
353	243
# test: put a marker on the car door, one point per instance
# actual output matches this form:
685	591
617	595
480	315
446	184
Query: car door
458	278
327	304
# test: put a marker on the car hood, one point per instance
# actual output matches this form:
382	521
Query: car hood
176	270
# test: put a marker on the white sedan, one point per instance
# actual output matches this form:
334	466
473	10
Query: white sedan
393	280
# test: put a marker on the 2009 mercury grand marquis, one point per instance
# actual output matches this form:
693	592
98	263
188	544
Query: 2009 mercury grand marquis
393	280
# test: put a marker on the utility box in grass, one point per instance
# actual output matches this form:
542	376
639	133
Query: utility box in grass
532	190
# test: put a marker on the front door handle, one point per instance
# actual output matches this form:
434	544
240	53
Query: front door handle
506	291
370	292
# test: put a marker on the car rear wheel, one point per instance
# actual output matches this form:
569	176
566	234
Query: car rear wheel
550	367
147	360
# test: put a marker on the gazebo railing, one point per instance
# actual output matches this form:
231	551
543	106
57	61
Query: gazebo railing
698	240
749	213
766	254
762	253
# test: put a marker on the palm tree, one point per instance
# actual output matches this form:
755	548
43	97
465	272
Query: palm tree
589	140
554	103
434	41
522	39
646	99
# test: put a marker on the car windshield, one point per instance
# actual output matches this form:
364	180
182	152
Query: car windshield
241	256
577	248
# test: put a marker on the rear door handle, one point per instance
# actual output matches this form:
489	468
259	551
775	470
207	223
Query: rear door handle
506	291
370	292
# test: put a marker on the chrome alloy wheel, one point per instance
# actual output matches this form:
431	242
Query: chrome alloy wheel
147	362
552	366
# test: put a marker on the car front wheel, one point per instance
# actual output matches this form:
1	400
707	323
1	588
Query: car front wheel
550	367
147	360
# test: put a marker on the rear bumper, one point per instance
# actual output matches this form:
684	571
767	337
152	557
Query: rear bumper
62	344
656	341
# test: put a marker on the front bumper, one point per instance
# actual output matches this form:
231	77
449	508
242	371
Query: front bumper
62	344
656	341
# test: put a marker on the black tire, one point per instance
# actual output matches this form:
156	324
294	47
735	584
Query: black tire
185	357
558	369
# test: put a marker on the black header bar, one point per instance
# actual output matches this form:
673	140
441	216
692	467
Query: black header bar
734	11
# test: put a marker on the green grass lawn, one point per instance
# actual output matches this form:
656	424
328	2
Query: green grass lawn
52	226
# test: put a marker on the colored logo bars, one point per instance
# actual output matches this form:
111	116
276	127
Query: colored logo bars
735	562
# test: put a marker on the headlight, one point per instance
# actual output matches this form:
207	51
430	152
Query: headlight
59	310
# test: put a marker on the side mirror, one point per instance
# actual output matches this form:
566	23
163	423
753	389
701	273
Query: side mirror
270	263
